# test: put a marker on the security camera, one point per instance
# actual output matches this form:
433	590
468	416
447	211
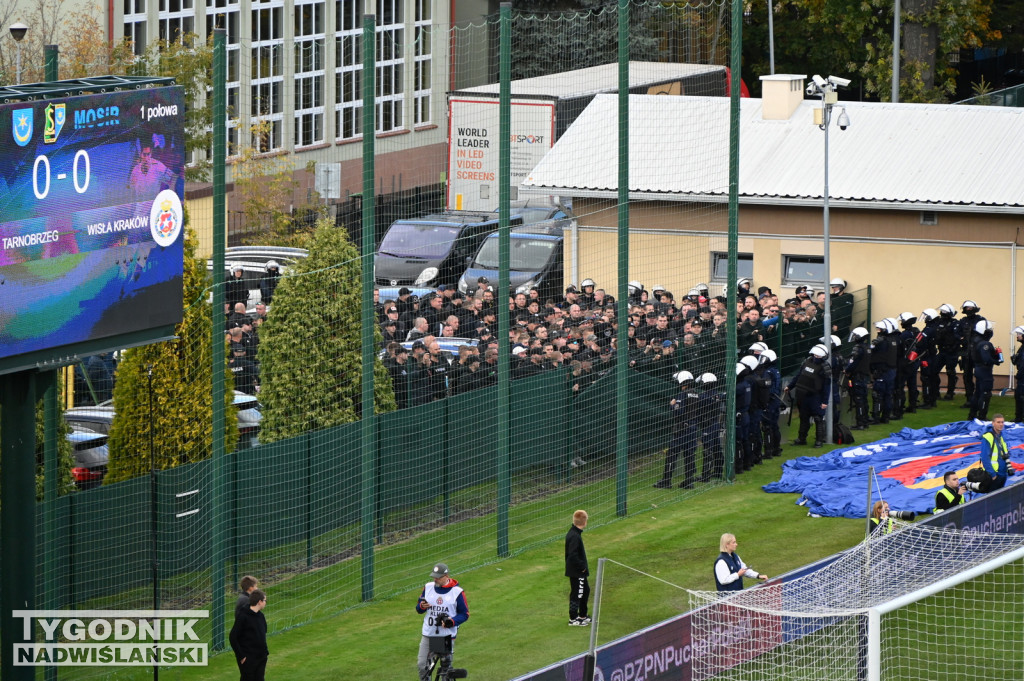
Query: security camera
844	120
839	82
812	89
18	30
819	81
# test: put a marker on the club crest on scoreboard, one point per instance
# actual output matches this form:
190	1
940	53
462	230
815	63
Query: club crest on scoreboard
165	218
21	126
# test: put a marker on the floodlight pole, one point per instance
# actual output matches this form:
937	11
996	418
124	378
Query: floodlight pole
18	31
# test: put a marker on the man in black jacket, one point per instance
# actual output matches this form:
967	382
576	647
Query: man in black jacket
577	570
249	639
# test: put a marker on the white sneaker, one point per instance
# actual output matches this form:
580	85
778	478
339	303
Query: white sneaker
584	620
580	622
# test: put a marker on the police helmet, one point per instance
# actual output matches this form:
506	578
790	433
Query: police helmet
702	288
970	305
758	347
707	378
634	287
906	319
882	326
657	287
929	314
983	327
768	356
1019	330
750	362
683	376
819	350
272	265
946	309
857	334
740	368
237	267
743	280
893	324
587	282
841	283
836	343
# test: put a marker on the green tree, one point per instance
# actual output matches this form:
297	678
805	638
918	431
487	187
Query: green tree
181	417
310	344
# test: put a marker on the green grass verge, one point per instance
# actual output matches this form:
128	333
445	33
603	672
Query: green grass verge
519	605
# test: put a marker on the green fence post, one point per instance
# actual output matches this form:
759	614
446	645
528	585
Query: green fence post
47	384
368	441
736	46
622	339
219	511
504	192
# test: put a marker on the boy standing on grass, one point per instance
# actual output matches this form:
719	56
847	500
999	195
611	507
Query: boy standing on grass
249	639
577	570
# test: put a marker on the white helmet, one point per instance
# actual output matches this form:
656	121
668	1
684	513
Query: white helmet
683	376
237	267
707	378
743	280
587	282
272	265
946	308
970	305
882	326
768	356
657	287
750	362
981	327
692	293
838	282
1019	330
893	324
859	332
836	343
819	350
634	287
929	314
907	317
701	287
758	347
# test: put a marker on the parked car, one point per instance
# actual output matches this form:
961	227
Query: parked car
253	260
98	419
91	455
432	250
542	209
536	258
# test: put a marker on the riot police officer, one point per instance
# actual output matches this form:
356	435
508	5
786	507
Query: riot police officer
883	371
586	297
858	373
771	381
906	368
709	415
758	401
926	351
947	349
984	356
744	396
683	408
1018	363
968	324
836	364
810	388
841	303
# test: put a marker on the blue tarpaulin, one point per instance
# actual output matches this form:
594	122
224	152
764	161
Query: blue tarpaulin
909	466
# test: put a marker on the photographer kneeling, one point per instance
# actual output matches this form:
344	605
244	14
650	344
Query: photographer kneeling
443	605
995	458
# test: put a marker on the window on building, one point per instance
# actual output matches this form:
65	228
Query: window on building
225	14
803	269
720	266
422	63
348	81
267	70
309	72
390	65
177	19
135	25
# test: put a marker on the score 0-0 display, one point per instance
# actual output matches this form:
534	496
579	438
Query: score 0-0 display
91	220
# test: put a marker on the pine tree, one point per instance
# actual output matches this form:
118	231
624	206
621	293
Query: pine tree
182	413
310	344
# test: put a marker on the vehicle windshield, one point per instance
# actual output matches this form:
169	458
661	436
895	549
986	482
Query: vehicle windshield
534	214
418	240
525	255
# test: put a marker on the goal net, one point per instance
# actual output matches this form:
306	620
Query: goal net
919	603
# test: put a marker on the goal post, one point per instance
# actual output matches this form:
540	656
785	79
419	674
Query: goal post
920	604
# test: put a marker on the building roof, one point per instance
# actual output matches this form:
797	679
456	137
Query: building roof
911	156
593	80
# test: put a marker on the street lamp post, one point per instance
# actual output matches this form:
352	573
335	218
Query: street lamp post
827	90
18	31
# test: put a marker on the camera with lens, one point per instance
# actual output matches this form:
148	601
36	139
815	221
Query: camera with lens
902	515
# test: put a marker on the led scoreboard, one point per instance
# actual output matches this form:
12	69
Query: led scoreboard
91	223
